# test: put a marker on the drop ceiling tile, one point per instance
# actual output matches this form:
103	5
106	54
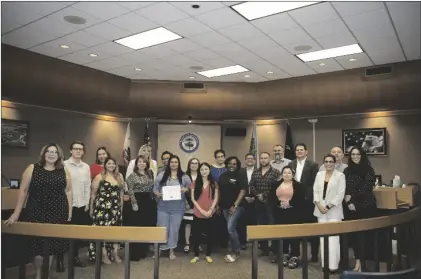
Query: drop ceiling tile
101	10
367	20
257	42
275	23
202	54
133	22
376	37
70	11
159	64
204	7
12	13
182	60
8	24
260	66
240	31
362	61
137	56
162	13
53	49
26	37
77	59
326	28
314	46
227	49
134	5
353	8
183	45
114	48
188	27
330	65
243	57
53	27
85	54
108	64
291	36
159	51
84	38
336	40
270	52
125	70
108	31
313	14
43	7
277	74
210	39
218	63
386	56
292	65
221	18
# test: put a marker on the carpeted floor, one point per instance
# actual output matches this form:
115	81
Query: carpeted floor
181	268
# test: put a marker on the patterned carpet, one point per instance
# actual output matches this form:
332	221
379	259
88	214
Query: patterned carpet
181	268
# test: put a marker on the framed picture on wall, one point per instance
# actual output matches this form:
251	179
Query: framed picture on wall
14	133
372	140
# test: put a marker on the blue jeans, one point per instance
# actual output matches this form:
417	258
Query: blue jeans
232	221
171	220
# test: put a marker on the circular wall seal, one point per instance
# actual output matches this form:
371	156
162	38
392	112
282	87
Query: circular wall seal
189	143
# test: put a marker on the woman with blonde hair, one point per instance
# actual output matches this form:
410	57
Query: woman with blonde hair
107	206
145	151
46	189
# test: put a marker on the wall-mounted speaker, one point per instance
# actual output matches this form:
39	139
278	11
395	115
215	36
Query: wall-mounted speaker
235	132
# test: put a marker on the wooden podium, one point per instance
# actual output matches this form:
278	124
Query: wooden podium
394	198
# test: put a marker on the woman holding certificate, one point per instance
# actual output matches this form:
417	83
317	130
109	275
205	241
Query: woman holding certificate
204	193
170	188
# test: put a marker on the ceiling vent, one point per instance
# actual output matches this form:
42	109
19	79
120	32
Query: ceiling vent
379	72
193	87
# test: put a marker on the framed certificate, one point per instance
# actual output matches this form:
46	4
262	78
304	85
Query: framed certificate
171	193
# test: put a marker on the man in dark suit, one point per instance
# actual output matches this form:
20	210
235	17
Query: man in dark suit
249	217
305	172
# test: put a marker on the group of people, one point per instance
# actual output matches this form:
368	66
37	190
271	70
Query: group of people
214	202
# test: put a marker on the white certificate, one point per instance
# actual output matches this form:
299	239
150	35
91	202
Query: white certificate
171	193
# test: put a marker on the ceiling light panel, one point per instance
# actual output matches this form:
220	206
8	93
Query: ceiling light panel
149	38
330	53
255	10
223	71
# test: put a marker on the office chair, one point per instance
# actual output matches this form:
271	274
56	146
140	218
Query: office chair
412	273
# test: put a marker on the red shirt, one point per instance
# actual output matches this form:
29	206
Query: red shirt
95	170
205	200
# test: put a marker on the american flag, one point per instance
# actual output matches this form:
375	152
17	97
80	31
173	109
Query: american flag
146	138
254	144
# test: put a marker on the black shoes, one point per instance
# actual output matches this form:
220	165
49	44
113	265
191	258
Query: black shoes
60	264
78	263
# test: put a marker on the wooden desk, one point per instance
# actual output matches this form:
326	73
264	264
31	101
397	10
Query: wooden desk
394	198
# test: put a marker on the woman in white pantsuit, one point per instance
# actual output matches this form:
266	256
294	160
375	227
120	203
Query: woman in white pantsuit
329	192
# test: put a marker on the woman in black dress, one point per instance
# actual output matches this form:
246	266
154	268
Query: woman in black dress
106	207
47	189
359	197
143	212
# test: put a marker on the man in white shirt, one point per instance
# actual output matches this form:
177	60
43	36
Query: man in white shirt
338	152
280	161
306	172
80	175
248	218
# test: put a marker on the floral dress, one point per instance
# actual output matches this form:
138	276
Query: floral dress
107	211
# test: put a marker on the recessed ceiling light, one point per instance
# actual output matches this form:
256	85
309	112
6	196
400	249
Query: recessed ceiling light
191	77
93	55
246	76
322	64
254	10
223	71
137	69
270	72
352	59
330	53
64	46
149	38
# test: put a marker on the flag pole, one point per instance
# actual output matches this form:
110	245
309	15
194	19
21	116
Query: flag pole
256	142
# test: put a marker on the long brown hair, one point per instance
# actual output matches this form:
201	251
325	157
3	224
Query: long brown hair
60	157
116	174
148	172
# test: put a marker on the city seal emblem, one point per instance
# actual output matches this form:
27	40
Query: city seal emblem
189	143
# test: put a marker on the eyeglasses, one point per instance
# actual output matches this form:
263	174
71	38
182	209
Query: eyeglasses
355	154
329	162
78	149
51	152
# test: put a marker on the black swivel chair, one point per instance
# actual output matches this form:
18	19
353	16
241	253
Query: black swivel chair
412	273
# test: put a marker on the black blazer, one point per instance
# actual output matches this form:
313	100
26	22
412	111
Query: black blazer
297	200
308	176
244	172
